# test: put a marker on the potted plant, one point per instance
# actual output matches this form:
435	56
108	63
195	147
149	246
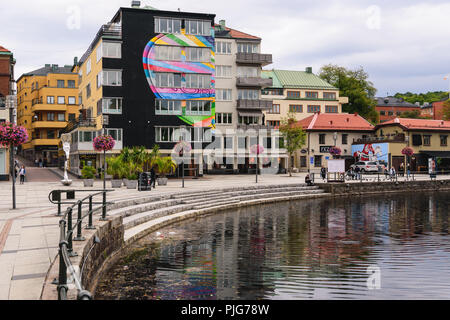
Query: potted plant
335	152
165	166
132	181
115	169
88	174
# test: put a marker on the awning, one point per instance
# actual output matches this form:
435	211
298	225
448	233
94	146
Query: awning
250	114
437	154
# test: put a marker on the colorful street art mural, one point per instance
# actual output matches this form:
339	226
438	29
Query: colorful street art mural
151	66
371	152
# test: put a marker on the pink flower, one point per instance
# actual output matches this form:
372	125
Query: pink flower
104	143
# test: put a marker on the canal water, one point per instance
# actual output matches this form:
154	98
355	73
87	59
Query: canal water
377	247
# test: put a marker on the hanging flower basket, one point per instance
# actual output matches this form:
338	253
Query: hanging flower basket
256	149
12	135
182	146
407	151
335	151
104	143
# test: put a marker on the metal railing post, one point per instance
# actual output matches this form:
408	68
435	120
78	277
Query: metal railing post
70	234
90	225
79	237
62	279
104	206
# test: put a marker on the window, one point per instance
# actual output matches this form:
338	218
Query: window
88	90
170	80
87	136
167	25
200	81
72	100
317	161
322	138
223	71
275	109
248	119
88	67
168	53
71	83
198	54
303	161
112	105
173	134
61	100
273	123
248	47
329	95
311	94
50	100
60	83
112	77
427	140
223	47
331	109
382	113
398	113
312	109
248	94
228	143
172	107
71	116
224	118
267	142
50	117
223	94
80	99
390	113
295	108
293	94
99	80
273	92
443	141
198	107
51	134
110	50
61	117
247	72
344	138
200	27
115	133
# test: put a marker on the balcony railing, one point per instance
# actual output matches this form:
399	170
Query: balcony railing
258	58
254	104
253	82
80	123
380	139
254	127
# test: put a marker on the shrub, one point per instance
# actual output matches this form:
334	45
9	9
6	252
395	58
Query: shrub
88	172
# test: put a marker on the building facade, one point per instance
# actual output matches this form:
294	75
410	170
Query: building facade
147	78
239	106
324	131
7	88
390	108
301	93
47	100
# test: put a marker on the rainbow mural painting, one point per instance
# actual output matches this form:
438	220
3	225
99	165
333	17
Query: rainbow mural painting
151	66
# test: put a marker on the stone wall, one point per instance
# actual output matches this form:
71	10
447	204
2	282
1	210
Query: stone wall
354	188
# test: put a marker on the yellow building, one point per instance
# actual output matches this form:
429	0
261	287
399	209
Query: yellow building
301	93
47	99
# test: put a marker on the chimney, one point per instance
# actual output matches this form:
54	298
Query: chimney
135	4
75	61
47	65
308	69
348	119
222	23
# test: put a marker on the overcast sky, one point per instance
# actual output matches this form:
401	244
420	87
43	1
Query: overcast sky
403	44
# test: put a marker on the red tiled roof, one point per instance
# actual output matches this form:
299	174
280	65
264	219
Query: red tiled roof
340	122
418	124
2	49
238	34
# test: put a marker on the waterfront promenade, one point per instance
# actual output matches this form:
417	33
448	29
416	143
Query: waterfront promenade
29	235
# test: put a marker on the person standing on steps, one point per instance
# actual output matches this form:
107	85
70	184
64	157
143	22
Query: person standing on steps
152	178
22	175
323	173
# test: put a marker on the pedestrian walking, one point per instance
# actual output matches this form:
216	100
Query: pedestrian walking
36	162
401	169
44	164
323	173
22	175
408	170
40	163
358	172
152	178
392	173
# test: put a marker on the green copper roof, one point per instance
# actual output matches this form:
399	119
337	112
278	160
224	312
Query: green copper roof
296	79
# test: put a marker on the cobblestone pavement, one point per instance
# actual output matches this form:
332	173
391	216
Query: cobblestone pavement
29	234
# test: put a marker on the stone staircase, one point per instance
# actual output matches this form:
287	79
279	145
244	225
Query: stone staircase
145	214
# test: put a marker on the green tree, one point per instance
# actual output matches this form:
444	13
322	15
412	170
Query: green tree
293	135
355	85
413	114
431	96
446	111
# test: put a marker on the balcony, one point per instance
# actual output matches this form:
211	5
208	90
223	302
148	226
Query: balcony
254	127
80	123
49	107
49	124
253	82
254	58
44	142
254	104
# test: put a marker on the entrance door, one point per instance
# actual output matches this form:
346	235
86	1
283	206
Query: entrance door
3	161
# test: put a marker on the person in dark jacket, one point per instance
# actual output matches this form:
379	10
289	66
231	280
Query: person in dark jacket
308	180
152	178
323	173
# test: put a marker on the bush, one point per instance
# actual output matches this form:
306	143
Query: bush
88	172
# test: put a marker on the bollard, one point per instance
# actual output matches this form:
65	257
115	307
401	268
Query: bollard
90	226
70	234
79	237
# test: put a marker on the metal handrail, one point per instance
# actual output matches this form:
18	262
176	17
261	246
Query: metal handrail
65	243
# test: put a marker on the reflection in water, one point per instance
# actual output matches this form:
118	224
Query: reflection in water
315	249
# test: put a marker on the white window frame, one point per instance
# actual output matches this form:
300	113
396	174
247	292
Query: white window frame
223	47
167	80
223	71
247	47
63	100
169	53
71	100
198	81
197	107
248	94
198	27
88	66
173	107
106	106
118	134
221	93
170	25
108	75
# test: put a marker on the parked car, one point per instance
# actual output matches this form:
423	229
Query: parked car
369	166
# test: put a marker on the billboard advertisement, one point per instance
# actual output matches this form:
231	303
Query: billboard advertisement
371	152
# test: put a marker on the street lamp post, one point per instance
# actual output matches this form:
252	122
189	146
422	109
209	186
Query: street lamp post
335	138
12	101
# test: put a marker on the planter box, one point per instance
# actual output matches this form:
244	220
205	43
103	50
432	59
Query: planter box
88	182
116	183
162	181
132	184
